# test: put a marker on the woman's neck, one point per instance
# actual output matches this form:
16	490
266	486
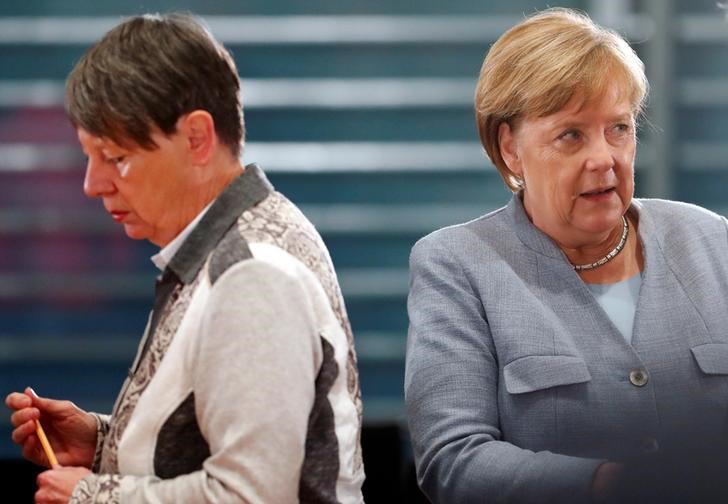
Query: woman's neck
626	264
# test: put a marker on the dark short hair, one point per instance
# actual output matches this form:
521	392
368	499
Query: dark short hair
149	71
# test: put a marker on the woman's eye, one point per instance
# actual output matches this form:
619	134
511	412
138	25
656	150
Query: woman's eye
570	135
622	128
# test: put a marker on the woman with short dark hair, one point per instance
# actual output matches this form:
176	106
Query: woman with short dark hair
245	385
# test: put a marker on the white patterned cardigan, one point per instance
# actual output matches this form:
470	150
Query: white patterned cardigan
247	388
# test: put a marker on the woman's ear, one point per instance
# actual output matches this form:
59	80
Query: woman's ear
198	127
509	148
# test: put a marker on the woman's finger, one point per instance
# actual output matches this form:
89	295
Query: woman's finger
23	416
16	400
20	434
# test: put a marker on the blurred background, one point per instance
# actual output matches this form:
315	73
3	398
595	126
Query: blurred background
361	113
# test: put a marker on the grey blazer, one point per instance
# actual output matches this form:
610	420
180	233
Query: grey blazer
517	383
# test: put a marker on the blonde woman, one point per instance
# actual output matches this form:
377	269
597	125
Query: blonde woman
559	346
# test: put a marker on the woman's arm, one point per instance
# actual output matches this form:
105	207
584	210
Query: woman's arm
451	391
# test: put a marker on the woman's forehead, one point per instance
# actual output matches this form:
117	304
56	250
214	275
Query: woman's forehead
590	86
97	141
613	101
89	140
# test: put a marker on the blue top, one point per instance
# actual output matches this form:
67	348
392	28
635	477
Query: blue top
619	301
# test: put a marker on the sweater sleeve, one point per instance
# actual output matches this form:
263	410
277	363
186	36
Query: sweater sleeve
254	374
102	428
451	393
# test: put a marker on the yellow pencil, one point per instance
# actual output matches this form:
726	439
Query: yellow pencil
46	445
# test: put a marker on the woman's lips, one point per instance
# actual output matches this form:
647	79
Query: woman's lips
118	216
598	194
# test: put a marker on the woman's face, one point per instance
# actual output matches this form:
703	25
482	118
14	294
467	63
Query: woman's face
577	166
146	191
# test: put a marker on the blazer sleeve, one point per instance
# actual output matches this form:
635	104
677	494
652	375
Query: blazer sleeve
451	394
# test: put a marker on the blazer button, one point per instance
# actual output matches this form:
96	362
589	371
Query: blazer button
638	377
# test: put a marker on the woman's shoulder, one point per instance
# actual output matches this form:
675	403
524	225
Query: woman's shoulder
668	214
465	234
683	229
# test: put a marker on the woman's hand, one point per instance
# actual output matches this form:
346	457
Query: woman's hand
605	481
56	486
70	430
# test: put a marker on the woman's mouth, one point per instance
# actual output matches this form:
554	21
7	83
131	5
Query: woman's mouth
598	194
118	215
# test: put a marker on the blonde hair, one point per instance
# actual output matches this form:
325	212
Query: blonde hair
537	66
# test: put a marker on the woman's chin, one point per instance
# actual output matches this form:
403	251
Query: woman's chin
600	220
135	232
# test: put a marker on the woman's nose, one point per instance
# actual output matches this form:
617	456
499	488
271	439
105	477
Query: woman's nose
600	155
97	181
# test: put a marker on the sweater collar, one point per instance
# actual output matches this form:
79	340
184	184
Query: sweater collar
242	193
